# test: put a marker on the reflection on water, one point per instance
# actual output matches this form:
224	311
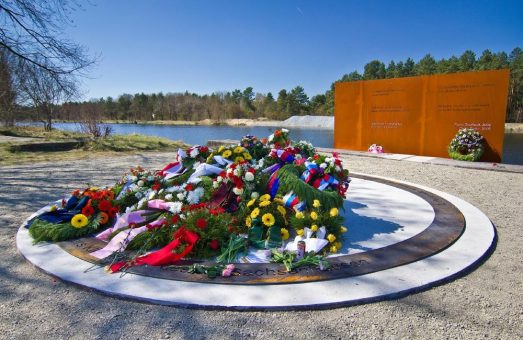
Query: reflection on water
512	150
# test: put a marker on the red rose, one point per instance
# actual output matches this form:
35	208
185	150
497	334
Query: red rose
277	133
214	245
204	149
201	223
98	195
104	205
112	212
88	210
156	186
175	219
189	187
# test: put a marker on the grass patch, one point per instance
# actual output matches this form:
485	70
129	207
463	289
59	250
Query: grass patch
90	148
38	132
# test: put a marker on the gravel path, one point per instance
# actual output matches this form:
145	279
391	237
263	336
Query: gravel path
487	303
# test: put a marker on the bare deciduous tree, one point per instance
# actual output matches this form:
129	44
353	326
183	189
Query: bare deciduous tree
42	64
45	92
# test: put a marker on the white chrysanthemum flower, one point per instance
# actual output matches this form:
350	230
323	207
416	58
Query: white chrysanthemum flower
298	156
215	184
261	162
237	191
169	197
175	208
249	176
194	152
180	196
138	195
193	197
132	178
199	191
195	180
237	172
219	179
323	165
255	195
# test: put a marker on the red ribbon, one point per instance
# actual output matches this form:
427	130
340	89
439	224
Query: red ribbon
164	256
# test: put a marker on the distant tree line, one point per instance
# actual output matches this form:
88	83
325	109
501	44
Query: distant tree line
192	107
248	104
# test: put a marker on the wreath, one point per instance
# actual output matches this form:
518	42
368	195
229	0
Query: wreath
467	145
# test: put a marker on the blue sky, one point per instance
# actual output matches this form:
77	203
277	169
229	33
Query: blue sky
207	46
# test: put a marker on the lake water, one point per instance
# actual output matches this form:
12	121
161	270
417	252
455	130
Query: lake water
512	151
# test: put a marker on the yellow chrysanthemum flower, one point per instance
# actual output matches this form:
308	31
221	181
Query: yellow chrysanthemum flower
268	219
299	215
79	221
248	222
333	249
316	203
331	238
255	213
343	229
282	210
284	234
278	200
300	232
238	149
251	202
314	227
220	149
264	203
265	197
338	245
226	154
314	215
239	159
334	212
247	156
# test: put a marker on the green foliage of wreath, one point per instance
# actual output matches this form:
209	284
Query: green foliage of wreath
467	145
474	156
290	181
42	230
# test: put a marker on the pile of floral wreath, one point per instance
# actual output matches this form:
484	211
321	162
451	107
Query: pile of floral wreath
467	145
211	204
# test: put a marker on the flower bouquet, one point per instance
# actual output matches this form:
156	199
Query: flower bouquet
467	145
210	205
375	148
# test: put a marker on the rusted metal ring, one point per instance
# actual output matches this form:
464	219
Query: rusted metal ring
445	229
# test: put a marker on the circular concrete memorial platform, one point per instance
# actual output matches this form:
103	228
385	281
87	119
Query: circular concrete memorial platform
402	238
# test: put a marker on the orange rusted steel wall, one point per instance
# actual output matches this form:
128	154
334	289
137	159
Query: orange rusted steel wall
421	115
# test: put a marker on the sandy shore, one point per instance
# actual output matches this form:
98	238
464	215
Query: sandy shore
486	303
